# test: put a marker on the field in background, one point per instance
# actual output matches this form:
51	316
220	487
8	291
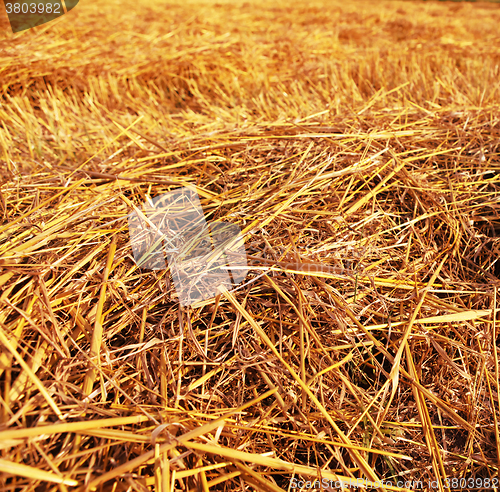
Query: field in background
360	137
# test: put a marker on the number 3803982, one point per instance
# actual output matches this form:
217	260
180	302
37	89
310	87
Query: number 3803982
26	14
33	8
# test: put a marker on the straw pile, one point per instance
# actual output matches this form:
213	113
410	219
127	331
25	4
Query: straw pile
355	145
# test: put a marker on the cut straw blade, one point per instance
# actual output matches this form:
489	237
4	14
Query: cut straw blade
277	463
193	434
394	375
63	428
356	456
21	470
98	328
456	317
41	205
5	341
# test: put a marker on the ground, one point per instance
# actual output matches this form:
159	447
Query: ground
355	144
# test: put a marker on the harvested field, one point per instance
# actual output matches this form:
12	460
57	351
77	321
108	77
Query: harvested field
355	144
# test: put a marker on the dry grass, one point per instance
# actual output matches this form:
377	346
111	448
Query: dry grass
362	137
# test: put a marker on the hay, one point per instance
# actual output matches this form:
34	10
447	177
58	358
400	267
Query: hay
357	148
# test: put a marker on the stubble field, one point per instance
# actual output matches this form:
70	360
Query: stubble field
356	145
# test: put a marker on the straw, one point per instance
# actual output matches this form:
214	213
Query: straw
354	144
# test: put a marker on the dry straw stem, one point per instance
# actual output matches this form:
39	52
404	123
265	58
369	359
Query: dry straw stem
356	144
35	474
97	333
